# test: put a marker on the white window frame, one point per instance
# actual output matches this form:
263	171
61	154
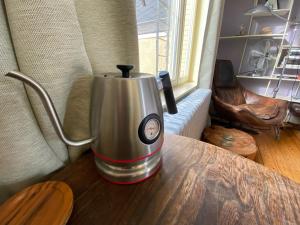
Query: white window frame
187	66
176	36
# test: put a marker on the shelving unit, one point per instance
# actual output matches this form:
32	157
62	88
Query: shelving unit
254	36
292	67
237	47
280	12
267	78
290	99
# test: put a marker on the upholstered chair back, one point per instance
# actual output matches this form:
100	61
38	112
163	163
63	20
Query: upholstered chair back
225	84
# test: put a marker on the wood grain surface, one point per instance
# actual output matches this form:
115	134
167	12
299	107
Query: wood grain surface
198	184
281	155
48	203
241	143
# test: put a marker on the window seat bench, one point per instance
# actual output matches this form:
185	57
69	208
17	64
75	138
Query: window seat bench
192	116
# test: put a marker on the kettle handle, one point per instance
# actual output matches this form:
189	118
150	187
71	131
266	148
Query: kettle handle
49	106
168	92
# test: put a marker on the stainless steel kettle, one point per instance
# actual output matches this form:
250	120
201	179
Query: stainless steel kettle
126	122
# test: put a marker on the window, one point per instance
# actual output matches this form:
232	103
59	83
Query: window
165	29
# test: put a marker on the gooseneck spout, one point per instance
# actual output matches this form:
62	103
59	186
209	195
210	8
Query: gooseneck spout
49	106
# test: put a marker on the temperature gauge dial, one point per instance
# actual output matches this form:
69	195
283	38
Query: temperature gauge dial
150	129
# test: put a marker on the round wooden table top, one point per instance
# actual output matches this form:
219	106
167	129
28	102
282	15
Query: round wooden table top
233	140
48	203
198	183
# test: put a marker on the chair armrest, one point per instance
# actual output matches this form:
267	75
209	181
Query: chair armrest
226	106
252	98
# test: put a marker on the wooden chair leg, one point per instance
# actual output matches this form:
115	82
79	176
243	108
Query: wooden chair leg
277	132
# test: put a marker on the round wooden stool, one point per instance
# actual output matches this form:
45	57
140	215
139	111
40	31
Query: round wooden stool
231	139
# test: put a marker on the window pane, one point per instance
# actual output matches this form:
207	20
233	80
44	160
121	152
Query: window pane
153	31
147	52
165	29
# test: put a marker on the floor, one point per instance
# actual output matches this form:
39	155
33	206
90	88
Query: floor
282	156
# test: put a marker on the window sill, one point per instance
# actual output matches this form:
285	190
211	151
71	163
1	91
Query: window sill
180	92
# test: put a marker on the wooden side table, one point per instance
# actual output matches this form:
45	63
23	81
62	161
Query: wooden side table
233	140
198	184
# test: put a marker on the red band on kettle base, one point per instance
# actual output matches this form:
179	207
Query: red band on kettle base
136	181
105	158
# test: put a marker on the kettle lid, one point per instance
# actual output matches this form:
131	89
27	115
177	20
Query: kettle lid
125	69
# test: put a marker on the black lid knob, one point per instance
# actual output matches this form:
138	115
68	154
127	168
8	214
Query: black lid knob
125	70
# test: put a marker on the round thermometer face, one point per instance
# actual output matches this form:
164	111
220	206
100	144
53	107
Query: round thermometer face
150	129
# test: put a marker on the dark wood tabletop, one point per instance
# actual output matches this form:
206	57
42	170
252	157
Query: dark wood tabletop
198	184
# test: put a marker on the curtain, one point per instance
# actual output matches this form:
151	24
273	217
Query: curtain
61	45
210	39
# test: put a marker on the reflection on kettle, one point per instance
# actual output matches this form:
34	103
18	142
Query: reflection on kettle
126	122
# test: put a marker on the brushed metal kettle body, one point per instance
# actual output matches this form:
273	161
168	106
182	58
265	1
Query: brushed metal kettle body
119	107
126	122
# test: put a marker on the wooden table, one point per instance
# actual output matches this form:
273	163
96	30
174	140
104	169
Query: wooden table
198	184
232	139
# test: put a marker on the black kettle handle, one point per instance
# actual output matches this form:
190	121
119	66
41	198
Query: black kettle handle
168	92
